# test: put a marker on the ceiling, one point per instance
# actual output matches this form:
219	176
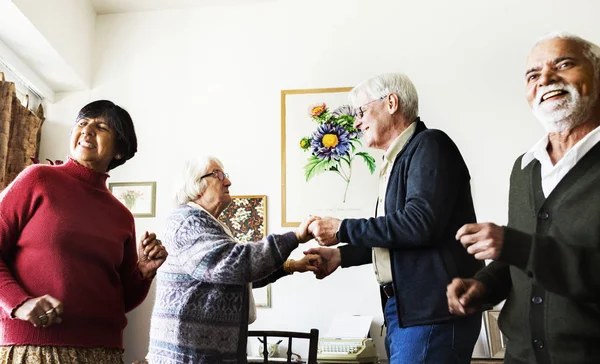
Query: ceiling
125	6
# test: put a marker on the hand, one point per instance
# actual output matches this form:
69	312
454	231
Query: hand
302	233
310	262
464	296
41	311
324	230
151	254
484	240
330	260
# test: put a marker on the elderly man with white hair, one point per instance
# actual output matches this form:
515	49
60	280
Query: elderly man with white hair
547	259
424	197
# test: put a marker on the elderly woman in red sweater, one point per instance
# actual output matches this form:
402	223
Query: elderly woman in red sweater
69	265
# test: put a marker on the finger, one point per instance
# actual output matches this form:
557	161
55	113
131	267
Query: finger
154	251
162	254
149	247
471	295
312	251
479	247
453	292
483	255
56	304
38	316
467	229
149	238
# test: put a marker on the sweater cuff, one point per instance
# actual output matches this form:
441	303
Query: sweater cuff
516	248
12	297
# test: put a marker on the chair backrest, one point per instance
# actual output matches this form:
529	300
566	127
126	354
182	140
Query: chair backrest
313	338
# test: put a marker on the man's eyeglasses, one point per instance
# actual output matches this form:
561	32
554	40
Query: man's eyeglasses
219	174
360	112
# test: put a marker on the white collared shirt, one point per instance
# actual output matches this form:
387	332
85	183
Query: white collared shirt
252	307
552	174
381	256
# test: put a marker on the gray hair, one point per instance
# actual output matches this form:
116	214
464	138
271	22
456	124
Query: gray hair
382	85
188	185
590	50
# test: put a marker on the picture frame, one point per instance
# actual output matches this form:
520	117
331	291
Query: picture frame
325	194
246	218
496	340
262	296
138	197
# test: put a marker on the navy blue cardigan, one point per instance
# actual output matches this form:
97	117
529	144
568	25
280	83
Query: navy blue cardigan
428	198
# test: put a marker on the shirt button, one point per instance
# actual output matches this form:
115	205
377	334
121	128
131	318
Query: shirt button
537	300
538	344
544	215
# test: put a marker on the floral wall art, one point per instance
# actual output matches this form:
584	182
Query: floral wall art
138	197
326	171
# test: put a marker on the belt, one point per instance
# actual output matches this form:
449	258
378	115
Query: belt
388	289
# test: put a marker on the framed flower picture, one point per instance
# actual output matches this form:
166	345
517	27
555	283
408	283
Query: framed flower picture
325	170
138	197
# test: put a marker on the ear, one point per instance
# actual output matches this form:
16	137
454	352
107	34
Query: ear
392	102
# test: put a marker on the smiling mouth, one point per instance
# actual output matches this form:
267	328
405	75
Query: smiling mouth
551	94
85	144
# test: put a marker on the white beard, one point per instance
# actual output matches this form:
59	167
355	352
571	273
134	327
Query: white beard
564	113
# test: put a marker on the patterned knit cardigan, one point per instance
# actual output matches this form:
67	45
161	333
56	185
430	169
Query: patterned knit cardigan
200	313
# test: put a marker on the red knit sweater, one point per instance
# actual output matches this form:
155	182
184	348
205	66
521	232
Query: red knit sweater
64	234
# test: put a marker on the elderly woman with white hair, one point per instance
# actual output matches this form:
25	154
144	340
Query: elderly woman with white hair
204	300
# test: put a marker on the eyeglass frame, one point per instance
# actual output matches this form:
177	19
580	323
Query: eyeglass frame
359	111
218	173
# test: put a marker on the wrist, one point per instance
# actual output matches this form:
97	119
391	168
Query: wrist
146	275
289	266
337	233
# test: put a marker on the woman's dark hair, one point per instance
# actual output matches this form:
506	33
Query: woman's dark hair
120	121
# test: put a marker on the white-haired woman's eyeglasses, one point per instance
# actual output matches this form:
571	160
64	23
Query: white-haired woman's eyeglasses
219	174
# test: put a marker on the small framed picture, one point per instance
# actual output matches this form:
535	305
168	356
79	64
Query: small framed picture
262	296
138	197
496	340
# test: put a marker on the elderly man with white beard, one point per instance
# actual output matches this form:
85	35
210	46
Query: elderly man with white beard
546	261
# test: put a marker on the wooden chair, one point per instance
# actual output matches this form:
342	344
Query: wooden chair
313	338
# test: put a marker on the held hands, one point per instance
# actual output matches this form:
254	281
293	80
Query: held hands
324	229
484	240
151	254
330	260
310	262
464	296
41	311
302	232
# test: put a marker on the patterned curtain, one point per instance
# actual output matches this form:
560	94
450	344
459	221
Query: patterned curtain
20	131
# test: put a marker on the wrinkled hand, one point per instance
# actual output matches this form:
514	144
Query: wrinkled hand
151	254
302	233
41	311
484	240
324	230
309	262
464	296
330	260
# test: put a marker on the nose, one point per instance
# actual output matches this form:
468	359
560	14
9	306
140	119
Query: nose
547	77
87	130
226	182
357	123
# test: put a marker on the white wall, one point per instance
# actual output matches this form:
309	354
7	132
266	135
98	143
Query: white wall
208	81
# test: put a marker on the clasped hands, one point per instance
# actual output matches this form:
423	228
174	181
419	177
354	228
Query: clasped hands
321	261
